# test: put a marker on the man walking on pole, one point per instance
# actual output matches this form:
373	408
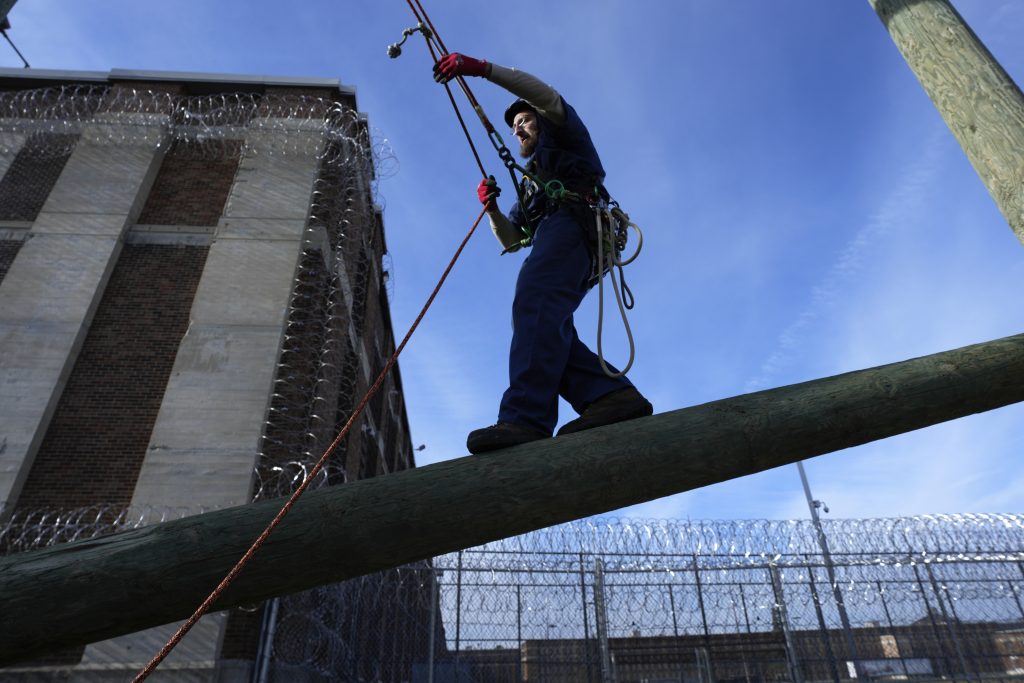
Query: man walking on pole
547	358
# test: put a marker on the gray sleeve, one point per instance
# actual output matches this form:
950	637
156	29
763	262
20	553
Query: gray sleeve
509	236
542	96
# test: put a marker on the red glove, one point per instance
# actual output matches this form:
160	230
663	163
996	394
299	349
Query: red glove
453	64
487	191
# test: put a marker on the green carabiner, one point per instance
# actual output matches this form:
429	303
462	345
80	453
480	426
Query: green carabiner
554	189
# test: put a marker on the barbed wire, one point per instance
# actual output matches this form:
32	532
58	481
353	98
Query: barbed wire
319	367
661	544
629	545
270	124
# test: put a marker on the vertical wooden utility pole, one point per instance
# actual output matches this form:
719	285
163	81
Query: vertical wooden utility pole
977	98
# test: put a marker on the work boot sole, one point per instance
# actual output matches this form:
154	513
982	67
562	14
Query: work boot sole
500	436
641	408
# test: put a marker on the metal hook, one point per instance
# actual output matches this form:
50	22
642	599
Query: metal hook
395	49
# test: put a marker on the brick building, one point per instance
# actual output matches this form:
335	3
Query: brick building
192	298
922	651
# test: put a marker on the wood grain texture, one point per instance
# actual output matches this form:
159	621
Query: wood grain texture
980	103
90	590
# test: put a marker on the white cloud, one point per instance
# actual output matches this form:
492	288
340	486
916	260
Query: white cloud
894	212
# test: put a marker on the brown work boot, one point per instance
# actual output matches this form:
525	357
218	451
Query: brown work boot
501	435
618	406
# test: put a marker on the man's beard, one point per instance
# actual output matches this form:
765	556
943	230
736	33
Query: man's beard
526	147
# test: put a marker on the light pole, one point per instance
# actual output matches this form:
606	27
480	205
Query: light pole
813	506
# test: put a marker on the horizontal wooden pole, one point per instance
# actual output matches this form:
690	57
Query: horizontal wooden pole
90	590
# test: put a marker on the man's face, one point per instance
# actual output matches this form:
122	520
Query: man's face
524	127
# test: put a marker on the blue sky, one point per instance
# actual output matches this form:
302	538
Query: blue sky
806	211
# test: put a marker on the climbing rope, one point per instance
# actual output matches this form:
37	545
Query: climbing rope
610	240
309	478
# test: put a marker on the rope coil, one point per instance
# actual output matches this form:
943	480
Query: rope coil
623	297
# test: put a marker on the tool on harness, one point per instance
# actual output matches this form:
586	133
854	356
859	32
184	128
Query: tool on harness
555	192
395	49
532	213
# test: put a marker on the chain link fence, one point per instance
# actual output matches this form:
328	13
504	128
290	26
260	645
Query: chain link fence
933	598
627	601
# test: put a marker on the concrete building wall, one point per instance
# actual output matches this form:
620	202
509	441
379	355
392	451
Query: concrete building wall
53	286
204	443
97	439
144	299
189	193
12	233
8	250
29	176
10	144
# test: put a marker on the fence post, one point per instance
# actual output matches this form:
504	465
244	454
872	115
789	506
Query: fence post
935	628
704	620
431	644
819	531
675	629
672	606
949	623
783	616
601	617
700	600
586	621
519	631
825	635
892	627
265	650
458	614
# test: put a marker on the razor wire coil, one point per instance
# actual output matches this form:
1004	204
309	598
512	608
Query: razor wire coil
270	123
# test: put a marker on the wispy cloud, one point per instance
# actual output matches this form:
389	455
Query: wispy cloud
898	208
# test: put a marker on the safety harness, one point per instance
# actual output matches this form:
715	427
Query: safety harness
607	241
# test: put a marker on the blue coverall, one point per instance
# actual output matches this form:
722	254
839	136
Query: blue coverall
547	358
